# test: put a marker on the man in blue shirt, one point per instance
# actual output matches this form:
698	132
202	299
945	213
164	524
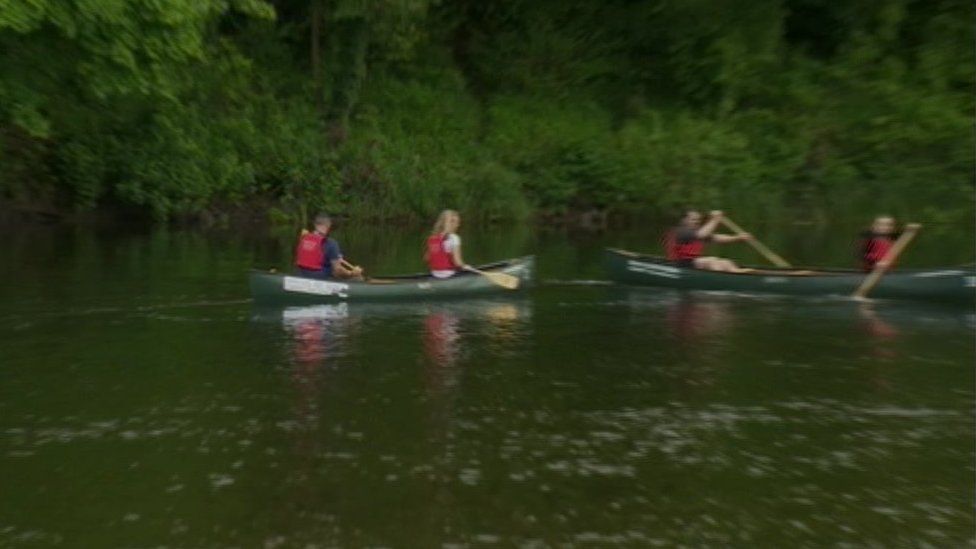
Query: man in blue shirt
318	255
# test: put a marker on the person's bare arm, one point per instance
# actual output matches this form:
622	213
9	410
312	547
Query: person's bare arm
339	270
458	259
726	238
709	227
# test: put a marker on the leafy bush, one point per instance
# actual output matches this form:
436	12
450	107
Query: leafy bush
397	109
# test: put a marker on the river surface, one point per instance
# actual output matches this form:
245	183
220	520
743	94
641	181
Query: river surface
145	402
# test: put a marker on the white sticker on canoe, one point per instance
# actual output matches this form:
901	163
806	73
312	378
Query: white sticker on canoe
424	286
930	274
971	281
653	269
774	280
317	287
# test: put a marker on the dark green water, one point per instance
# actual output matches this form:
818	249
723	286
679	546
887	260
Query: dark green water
144	402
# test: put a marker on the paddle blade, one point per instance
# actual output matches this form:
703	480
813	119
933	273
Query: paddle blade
506	281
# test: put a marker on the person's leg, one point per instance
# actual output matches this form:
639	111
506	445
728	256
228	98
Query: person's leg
721	265
705	263
709	263
729	266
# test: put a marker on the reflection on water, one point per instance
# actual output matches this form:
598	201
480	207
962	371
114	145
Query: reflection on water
317	333
875	326
691	321
883	337
441	338
332	436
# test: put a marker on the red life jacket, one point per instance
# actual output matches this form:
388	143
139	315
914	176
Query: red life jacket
875	248
309	254
682	251
437	258
669	244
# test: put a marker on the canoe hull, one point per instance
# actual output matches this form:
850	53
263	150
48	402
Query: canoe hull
937	285
280	288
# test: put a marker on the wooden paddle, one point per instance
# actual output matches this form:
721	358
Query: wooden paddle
759	246
882	267
506	281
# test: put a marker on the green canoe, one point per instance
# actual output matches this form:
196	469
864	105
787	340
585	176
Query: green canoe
942	285
270	287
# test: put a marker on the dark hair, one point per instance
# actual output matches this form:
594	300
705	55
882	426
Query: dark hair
322	219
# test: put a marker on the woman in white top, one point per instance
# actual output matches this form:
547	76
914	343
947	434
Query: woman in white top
443	250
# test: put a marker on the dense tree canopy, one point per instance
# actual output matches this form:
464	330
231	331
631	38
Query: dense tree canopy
500	107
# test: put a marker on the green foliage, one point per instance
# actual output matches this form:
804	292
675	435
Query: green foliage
556	147
420	154
399	108
686	160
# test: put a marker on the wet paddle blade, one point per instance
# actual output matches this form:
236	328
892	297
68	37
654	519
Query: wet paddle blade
506	281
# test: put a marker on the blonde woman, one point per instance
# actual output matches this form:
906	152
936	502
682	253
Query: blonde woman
443	250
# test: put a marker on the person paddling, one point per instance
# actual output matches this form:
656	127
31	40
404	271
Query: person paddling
318	255
876	242
443	250
686	243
